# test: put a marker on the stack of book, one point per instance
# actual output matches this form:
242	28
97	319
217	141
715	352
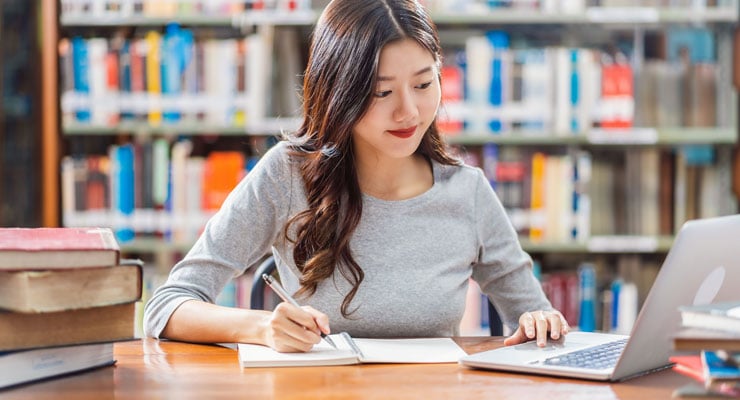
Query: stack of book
710	344
65	297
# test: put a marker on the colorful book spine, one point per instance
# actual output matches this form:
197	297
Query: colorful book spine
587	298
499	42
81	66
154	76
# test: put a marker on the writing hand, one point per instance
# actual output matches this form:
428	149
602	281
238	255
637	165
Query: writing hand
536	324
293	329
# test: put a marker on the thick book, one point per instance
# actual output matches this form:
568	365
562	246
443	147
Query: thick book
49	248
355	351
69	289
88	325
723	316
695	339
720	375
21	367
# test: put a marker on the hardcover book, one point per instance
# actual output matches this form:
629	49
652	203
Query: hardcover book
31	365
695	339
721	316
50	248
89	325
69	289
355	351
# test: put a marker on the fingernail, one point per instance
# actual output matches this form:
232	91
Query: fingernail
530	333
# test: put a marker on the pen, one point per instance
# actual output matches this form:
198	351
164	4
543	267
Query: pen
277	288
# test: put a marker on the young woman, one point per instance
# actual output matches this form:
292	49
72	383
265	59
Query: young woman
374	227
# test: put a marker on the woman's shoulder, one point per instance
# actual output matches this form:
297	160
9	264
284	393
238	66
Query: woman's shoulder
460	172
279	158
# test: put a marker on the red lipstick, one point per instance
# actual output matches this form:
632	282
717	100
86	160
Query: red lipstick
403	133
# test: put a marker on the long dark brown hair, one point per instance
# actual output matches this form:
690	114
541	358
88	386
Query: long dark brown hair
337	90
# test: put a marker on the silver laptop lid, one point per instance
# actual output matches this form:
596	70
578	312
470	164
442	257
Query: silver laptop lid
702	266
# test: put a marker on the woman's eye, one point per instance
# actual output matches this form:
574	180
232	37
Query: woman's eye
425	85
383	93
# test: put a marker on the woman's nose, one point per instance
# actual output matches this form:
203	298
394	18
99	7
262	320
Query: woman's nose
406	108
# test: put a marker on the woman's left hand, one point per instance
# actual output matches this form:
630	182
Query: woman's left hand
536	324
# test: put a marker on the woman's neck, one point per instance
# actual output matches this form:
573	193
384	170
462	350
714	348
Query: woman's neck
397	179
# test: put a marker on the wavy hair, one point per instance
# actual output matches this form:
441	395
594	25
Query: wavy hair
338	84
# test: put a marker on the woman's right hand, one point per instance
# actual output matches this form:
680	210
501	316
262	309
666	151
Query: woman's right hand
291	329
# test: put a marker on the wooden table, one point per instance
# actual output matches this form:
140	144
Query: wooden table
149	369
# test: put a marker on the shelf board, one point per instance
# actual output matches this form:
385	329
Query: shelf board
280	18
603	244
272	126
592	15
641	136
501	16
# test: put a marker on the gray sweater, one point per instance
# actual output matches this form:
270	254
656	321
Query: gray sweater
417	254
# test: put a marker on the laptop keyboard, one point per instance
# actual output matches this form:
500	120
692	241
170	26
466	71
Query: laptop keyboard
598	357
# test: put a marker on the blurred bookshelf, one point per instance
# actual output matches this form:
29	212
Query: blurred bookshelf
644	160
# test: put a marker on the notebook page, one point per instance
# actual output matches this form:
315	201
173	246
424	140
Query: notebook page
423	350
253	355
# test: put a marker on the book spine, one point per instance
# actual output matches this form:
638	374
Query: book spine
587	296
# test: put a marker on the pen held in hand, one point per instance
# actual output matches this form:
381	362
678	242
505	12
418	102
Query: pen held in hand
277	288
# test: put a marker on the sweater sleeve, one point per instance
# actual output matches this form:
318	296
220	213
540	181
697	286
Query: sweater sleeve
503	270
235	238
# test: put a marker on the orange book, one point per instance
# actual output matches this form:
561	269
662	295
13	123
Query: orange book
112	83
537	197
154	76
223	171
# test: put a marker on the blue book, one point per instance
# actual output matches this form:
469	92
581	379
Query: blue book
123	175
587	298
490	162
500	43
575	89
698	42
718	369
124	70
81	68
172	68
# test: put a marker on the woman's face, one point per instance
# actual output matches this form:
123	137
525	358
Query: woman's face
404	104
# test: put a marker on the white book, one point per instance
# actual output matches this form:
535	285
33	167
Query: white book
97	50
355	351
31	365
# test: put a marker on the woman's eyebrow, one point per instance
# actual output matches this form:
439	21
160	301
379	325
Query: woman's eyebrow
417	73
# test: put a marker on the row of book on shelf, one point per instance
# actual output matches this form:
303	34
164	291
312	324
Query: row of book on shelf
565	7
149	187
488	86
159	187
174	8
493	86
171	8
170	77
708	350
65	297
564	195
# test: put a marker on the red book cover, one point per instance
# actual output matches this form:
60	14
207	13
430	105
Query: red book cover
50	248
452	92
689	365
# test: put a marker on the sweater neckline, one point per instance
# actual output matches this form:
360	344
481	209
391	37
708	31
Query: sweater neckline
436	174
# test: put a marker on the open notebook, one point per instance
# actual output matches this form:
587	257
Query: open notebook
355	351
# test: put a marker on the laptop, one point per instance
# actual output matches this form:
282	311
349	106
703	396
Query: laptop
702	266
